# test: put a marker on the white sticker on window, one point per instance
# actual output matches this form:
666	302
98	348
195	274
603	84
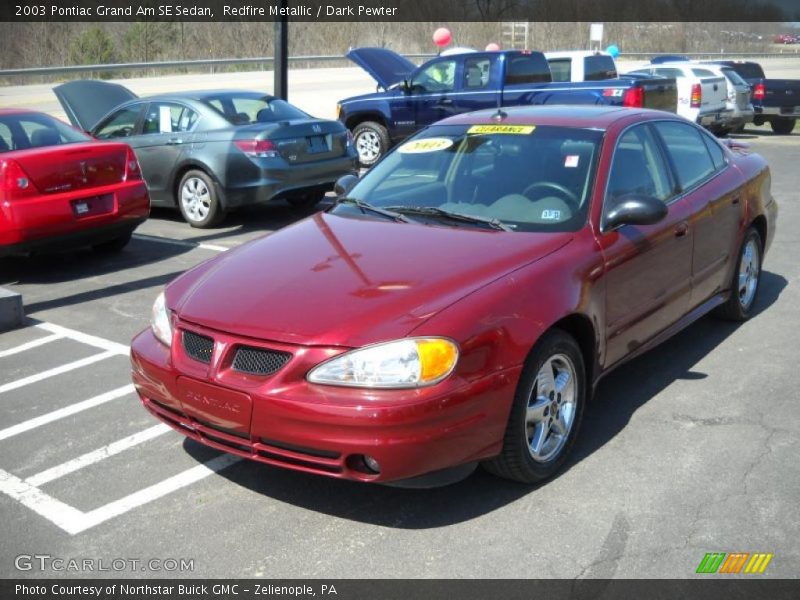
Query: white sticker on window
164	119
551	215
571	161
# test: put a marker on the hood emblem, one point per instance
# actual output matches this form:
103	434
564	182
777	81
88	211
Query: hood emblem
316	129
83	167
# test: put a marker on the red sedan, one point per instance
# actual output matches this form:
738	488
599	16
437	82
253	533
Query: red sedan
58	187
460	302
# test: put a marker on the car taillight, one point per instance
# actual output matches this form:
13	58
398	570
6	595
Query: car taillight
634	97
132	170
14	182
759	91
697	95
257	148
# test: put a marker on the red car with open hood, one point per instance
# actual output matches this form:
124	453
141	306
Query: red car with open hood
460	302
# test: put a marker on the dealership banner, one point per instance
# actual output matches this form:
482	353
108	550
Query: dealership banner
399	589
399	10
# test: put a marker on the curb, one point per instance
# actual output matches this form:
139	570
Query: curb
12	312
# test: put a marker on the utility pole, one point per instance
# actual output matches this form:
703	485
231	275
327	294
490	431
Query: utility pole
281	59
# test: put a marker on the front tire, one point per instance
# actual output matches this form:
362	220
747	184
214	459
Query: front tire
198	200
746	279
782	126
371	141
546	413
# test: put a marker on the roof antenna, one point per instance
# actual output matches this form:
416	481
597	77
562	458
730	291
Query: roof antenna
499	115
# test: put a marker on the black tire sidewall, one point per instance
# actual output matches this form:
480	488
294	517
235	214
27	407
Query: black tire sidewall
215	212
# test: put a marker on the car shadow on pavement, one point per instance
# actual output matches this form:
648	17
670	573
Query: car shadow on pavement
618	398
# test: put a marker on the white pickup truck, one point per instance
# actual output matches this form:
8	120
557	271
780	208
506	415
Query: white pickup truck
702	94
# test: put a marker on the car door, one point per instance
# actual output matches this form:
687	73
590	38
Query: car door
648	267
715	194
165	136
431	91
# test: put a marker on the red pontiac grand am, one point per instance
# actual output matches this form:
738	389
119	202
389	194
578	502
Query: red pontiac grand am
460	302
59	187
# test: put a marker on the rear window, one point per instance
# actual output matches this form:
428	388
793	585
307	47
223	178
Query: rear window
666	72
35	130
733	76
527	68
597	68
561	69
247	109
703	73
749	70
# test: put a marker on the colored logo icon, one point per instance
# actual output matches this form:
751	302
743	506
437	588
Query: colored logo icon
735	562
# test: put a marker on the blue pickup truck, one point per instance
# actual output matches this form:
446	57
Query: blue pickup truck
776	101
410	97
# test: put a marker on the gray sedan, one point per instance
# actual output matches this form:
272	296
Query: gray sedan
208	152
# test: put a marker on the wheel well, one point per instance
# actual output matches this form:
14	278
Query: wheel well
355	120
760	224
581	328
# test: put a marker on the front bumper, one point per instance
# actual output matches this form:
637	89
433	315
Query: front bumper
275	183
283	420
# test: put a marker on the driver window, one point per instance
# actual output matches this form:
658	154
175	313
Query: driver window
638	167
439	77
121	124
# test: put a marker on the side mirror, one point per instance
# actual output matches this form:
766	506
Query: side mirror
634	209
344	184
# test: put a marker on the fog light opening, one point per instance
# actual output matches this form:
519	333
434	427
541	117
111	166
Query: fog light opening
364	464
372	464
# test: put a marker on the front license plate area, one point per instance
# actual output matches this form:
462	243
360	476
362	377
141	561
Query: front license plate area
214	405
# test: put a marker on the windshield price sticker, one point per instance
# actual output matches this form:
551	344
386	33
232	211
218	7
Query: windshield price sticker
504	129
425	145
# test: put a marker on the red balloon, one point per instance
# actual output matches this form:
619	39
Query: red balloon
442	37
492	47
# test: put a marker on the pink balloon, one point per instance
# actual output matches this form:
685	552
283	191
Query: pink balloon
492	47
442	37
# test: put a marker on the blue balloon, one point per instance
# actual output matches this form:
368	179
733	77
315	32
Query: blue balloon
613	50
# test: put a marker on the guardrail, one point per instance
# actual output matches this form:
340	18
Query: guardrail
226	62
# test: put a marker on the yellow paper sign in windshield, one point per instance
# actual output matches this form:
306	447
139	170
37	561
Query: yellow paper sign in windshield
506	129
425	145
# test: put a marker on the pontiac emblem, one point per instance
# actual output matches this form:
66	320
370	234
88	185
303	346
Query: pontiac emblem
83	171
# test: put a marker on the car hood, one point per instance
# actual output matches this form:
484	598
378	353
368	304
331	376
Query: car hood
385	67
337	281
87	101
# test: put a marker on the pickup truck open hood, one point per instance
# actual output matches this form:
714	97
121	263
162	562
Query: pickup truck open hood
338	281
385	67
86	101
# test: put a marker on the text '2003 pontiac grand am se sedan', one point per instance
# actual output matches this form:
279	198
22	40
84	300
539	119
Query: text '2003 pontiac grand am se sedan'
460	302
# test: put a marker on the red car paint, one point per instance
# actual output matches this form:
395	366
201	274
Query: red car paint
79	193
330	283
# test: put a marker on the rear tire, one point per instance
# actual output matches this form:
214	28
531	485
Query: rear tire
546	413
371	141
198	200
782	126
746	279
115	245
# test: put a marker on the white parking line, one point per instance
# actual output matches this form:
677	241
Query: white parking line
85	338
34	344
65	412
96	456
185	243
74	521
13	385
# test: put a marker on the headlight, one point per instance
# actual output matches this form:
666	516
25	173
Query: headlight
409	363
160	321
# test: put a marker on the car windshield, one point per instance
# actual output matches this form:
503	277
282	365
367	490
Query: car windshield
516	177
251	108
23	130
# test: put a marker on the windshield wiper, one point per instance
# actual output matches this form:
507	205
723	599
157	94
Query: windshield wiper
448	214
365	207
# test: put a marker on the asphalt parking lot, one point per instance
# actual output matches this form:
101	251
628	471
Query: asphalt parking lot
689	449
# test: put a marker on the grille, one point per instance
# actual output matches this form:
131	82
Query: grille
257	361
199	347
